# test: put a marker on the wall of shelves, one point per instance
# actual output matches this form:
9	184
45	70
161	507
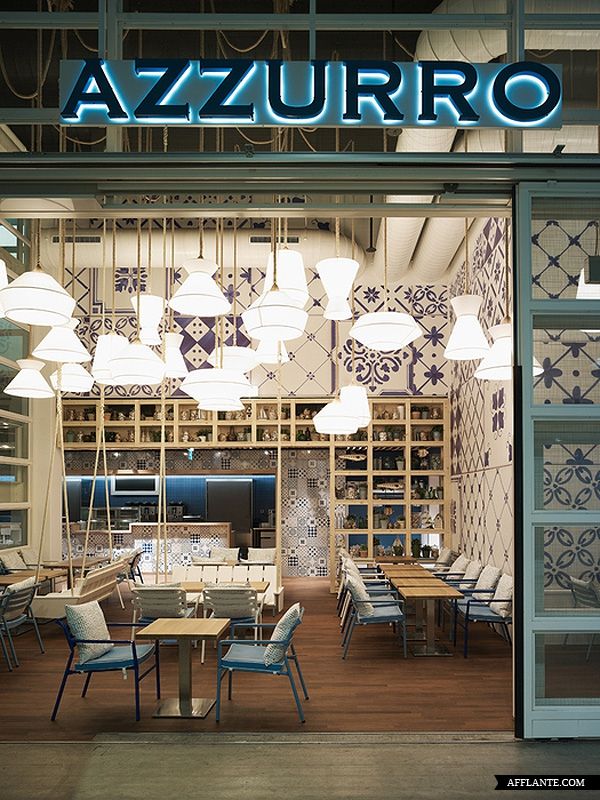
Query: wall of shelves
390	482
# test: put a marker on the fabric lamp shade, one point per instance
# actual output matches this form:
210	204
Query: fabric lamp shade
72	378
108	345
337	276
136	365
35	298
274	316
497	364
62	345
242	359
467	340
291	276
174	361
272	351
335	418
150	313
199	295
29	381
385	331
354	398
216	389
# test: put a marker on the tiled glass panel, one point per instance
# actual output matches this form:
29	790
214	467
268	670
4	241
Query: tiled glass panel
564	553
566	668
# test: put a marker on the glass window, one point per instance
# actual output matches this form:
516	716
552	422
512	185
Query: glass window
18	405
13	483
567	352
565	247
567	466
13	527
14	341
566	668
14	438
567	569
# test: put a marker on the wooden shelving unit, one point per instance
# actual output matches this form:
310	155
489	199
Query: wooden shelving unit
390	482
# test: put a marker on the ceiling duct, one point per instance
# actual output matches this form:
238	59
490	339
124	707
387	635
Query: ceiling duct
419	249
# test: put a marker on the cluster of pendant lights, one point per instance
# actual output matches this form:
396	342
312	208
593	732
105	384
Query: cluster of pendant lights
275	318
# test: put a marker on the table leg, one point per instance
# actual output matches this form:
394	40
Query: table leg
185	706
431	647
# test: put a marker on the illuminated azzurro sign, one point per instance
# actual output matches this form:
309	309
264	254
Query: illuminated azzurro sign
242	92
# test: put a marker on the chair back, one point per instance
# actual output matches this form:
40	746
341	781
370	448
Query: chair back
15	604
209	573
240	573
233	601
256	572
583	593
224	574
179	572
155	601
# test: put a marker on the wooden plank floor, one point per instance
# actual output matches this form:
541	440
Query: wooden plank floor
374	690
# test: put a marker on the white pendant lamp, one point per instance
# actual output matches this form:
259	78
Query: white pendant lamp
337	276
272	352
35	298
385	331
240	359
108	346
216	389
467	340
497	365
199	294
73	378
274	316
291	276
150	312
62	345
174	361
29	381
335	418
354	398
136	365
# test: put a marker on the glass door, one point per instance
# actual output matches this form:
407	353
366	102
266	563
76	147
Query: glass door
558	352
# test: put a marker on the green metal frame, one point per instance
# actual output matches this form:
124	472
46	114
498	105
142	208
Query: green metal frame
559	720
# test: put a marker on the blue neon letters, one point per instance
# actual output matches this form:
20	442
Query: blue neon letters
327	93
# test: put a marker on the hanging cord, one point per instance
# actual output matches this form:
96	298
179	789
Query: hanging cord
219	243
139	275
234	283
353	302
171	311
385	264
467	275
114	275
47	498
506	274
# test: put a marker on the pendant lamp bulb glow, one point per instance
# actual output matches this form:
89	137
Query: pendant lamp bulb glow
29	381
467	340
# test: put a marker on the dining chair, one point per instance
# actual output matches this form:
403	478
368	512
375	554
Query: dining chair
272	656
368	610
154	602
15	610
240	604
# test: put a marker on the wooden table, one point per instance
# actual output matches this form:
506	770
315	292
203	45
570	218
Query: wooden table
185	630
21	575
197	587
90	561
429	593
421	581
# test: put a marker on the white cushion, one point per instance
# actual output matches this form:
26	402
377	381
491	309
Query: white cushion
471	574
360	596
86	621
225	553
27	583
503	593
445	556
275	653
266	555
459	565
351	567
200	560
488	578
12	560
29	555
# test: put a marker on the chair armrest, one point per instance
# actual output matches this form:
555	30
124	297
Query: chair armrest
381	603
104	641
479	591
126	625
254	625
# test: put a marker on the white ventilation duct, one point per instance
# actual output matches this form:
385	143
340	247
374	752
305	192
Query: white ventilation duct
253	249
441	237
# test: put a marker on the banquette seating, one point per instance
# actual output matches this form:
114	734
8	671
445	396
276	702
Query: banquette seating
235	573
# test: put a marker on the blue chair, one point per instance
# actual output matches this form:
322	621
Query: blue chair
125	655
472	609
248	656
386	611
15	610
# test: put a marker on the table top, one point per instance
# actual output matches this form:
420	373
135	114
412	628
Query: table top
407	571
184	628
90	561
21	575
429	591
397	582
198	586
